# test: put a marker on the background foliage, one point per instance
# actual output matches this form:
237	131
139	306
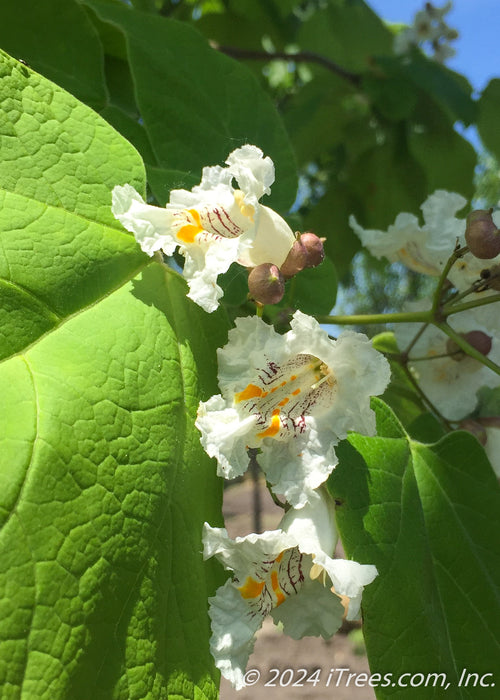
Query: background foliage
104	484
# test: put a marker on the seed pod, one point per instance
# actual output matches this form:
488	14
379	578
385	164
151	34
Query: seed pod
479	340
481	234
266	284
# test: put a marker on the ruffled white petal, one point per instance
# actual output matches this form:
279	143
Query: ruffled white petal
253	172
315	612
241	554
426	248
223	436
151	226
233	633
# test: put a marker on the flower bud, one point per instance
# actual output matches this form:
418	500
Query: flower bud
479	340
472	426
266	284
295	260
492	276
307	251
314	247
481	234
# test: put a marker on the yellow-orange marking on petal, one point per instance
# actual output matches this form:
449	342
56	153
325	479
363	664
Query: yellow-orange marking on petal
280	598
250	392
251	588
188	233
296	392
274	427
284	402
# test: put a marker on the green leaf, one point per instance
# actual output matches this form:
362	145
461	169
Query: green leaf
487	122
104	486
61	247
313	290
56	38
388	180
427	516
451	90
197	104
316	115
447	159
348	32
330	219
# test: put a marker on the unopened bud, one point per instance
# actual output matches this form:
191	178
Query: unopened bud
266	283
307	251
481	234
295	260
492	276
472	426
314	247
479	340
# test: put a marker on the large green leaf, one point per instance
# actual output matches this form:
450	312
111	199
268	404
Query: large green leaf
197	104
348	32
427	515
103	483
447	159
487	122
57	39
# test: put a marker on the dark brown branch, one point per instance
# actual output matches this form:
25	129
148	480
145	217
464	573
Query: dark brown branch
300	57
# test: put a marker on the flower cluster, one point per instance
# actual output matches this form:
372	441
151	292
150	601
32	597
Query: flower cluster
463	253
288	399
429	27
291	398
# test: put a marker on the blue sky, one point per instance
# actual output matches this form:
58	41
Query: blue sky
478	22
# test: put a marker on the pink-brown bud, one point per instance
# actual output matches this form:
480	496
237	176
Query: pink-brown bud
481	234
307	251
266	284
479	340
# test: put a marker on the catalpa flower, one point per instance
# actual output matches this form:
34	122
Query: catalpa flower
293	397
214	225
287	573
447	376
424	248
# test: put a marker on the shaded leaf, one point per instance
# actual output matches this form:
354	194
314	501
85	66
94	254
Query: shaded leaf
197	104
67	50
427	516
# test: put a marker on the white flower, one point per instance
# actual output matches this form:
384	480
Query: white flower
423	249
287	573
428	26
214	224
450	381
293	396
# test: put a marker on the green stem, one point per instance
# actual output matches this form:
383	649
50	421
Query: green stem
455	308
366	319
467	347
457	253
